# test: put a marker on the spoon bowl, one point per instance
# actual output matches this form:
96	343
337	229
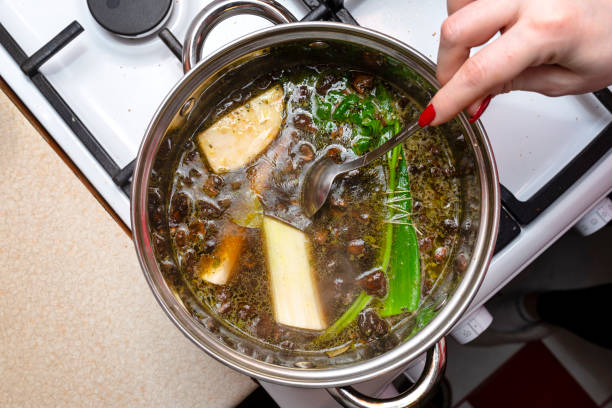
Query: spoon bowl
321	174
317	184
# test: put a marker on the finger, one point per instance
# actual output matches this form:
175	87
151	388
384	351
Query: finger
454	5
494	65
469	27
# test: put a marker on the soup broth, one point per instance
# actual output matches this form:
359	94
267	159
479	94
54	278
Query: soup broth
374	251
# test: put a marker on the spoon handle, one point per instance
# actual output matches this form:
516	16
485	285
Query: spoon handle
379	151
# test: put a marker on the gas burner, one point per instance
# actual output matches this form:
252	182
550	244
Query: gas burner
131	18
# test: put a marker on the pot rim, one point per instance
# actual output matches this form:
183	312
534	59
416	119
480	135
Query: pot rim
312	377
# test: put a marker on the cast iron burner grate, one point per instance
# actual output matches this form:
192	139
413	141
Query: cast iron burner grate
137	18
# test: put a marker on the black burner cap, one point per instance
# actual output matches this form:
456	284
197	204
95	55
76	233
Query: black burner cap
130	18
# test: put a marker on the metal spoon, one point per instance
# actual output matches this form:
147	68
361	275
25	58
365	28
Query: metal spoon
319	178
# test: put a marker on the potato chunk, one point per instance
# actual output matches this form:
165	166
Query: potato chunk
245	132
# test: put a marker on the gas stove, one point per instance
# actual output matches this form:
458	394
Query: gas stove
92	73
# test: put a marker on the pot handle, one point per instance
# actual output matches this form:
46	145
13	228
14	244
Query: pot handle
219	10
435	364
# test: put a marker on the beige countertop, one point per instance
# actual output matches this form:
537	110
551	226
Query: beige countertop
78	323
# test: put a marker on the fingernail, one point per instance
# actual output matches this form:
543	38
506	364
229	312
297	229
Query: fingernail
427	116
481	109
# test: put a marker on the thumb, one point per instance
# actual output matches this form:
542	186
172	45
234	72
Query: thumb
550	80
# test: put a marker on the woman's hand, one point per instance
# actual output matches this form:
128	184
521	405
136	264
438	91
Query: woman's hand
554	47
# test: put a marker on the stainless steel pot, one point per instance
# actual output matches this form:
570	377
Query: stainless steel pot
207	82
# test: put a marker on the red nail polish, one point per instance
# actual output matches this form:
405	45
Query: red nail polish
427	116
481	109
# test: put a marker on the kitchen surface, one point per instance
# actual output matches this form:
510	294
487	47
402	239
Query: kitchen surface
79	325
